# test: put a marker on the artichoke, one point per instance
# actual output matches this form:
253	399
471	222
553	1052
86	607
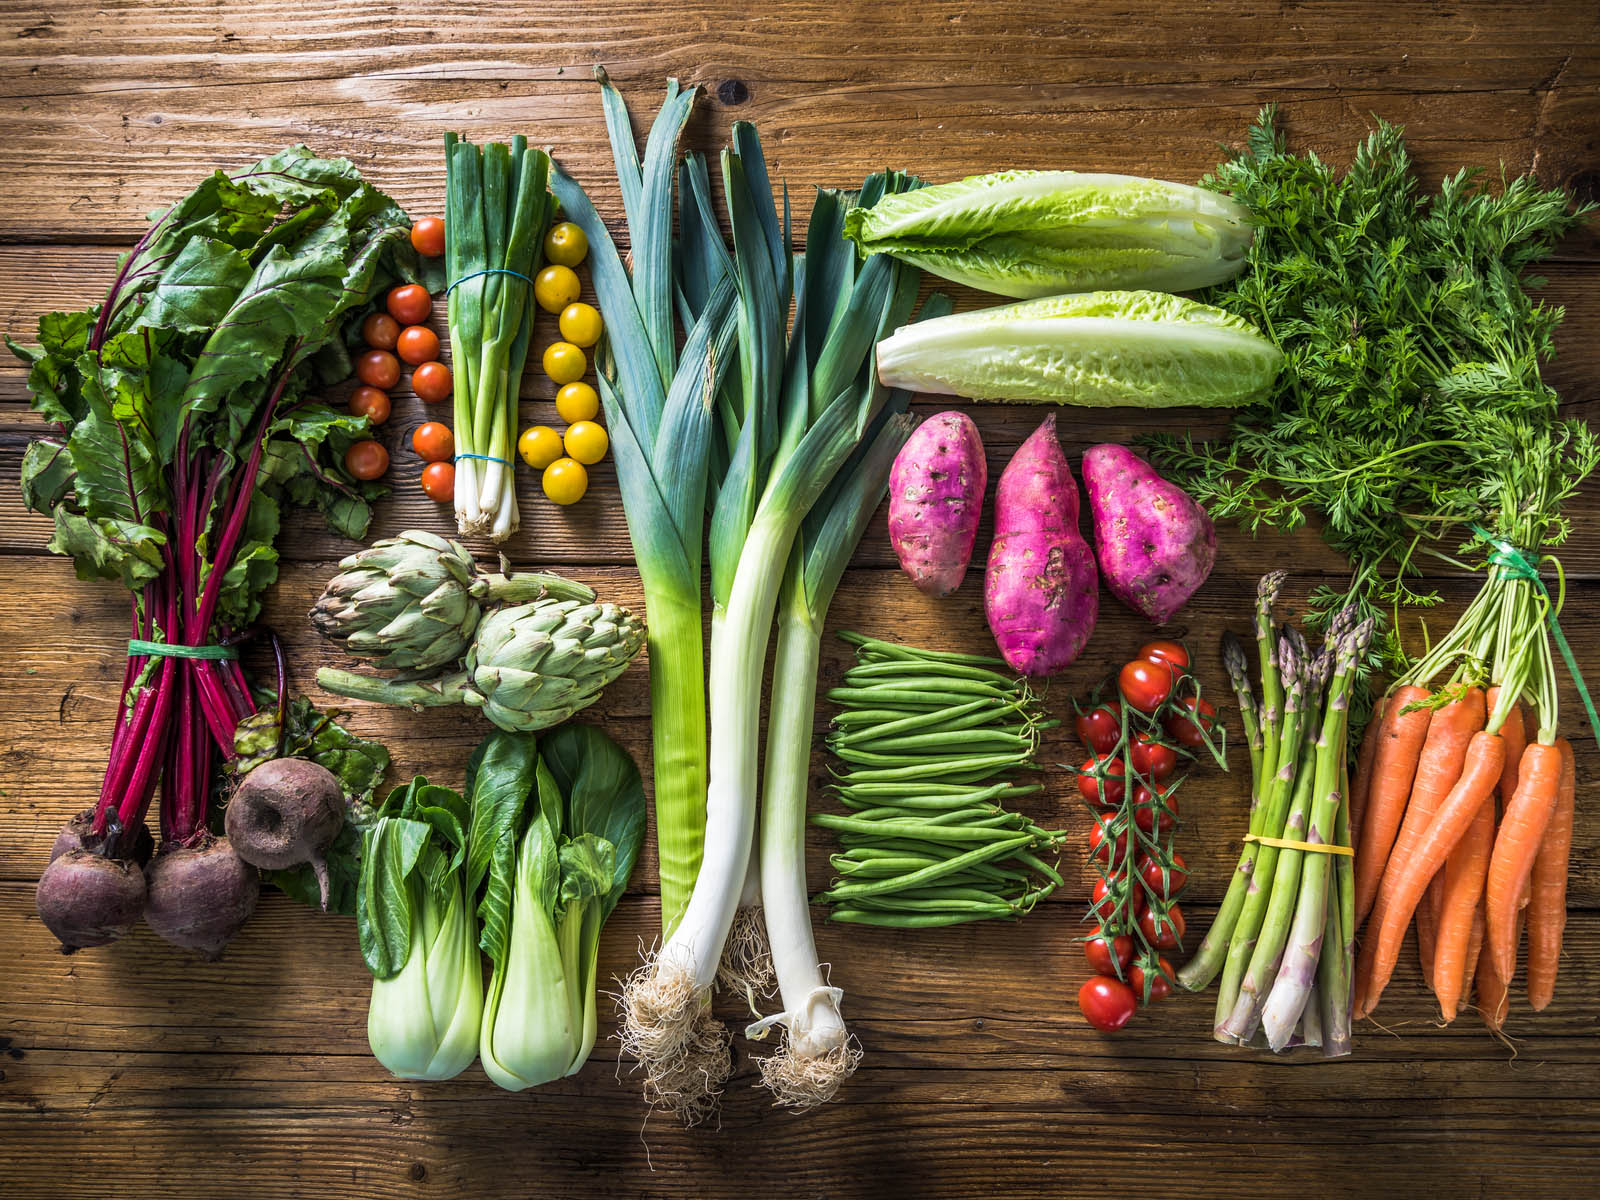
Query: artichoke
534	665
411	603
529	667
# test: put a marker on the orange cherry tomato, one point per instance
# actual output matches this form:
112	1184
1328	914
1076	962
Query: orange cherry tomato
371	403
379	369
379	331
366	460
439	481
433	442
410	304
417	344
432	382
427	237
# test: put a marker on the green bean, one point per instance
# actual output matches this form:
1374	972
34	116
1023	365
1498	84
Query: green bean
978	707
957	739
894	812
977	895
904	698
867	758
974	771
889	920
894	667
920	830
915	794
896	904
926	874
885	649
928	687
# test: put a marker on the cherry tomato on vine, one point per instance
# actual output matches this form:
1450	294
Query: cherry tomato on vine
409	304
1145	684
379	369
1160	981
417	344
1100	728
1145	810
1150	758
1177	874
432	382
1107	847
366	460
1101	781
427	237
1107	954
433	442
1187	731
439	482
1164	931
1107	1004
1103	902
1175	653
371	403
380	330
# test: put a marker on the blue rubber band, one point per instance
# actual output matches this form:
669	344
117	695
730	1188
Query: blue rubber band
488	271
484	457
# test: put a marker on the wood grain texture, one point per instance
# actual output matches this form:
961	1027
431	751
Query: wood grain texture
137	1071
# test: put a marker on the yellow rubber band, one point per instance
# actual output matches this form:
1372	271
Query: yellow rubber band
1287	844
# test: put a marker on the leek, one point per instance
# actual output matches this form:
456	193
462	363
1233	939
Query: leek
497	207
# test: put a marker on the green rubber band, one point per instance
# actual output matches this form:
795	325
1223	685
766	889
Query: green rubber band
137	648
1516	564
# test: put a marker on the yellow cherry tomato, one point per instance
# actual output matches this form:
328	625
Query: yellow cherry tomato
555	288
565	481
565	244
577	402
586	442
581	324
539	446
564	362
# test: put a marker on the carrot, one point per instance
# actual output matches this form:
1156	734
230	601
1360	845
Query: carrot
1494	991
1516	742
1410	874
1400	739
1361	785
1427	942
1547	904
1464	872
1516	846
1433	901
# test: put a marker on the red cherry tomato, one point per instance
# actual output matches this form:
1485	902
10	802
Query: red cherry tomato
1155	820
1102	904
432	382
366	460
433	442
439	482
409	304
1151	759
427	237
1109	955
379	369
1107	1004
1164	931
1177	875
417	344
1186	731
1107	847
1146	685
1101	727
1100	781
1159	981
370	403
1106	896
380	330
1175	653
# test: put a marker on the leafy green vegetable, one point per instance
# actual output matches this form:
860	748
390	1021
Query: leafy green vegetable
1102	349
1039	233
1411	403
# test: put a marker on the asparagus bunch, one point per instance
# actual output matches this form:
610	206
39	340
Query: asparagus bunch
1284	937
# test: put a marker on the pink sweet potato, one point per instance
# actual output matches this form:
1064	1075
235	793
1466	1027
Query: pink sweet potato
1156	545
935	497
1041	591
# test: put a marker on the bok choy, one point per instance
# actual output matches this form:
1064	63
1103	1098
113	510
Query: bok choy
1038	233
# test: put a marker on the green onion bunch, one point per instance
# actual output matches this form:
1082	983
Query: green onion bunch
927	739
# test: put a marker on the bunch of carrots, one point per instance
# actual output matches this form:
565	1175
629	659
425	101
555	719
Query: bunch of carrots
1463	805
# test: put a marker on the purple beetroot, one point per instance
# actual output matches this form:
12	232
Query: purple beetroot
200	895
286	812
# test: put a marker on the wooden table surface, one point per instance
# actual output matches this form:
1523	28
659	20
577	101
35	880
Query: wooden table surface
138	1071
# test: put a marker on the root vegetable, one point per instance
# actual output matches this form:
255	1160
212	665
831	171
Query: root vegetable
936	491
1156	545
200	896
79	834
1041	588
286	812
87	899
